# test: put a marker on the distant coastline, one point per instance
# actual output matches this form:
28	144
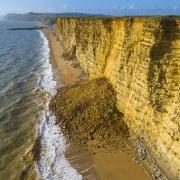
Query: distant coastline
45	18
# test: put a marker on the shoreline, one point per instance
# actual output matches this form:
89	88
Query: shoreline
49	156
69	75
77	156
103	164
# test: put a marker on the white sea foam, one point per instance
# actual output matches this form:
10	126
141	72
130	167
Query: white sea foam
52	164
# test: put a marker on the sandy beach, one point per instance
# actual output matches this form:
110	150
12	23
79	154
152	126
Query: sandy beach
91	161
68	73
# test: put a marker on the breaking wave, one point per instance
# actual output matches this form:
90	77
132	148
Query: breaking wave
52	163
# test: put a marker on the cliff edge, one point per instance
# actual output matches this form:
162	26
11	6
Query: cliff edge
140	56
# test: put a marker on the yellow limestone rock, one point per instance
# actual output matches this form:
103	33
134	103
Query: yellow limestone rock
141	58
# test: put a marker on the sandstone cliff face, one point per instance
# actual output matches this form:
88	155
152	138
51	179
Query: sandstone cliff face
141	58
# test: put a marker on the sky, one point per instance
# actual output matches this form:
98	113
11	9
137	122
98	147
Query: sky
87	6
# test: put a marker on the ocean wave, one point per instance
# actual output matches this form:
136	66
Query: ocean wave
52	163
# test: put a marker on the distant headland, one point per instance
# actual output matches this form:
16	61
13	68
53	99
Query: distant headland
45	18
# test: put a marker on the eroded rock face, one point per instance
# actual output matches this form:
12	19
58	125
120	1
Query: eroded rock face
141	58
87	111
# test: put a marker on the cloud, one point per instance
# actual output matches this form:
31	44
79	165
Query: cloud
116	7
64	6
175	7
131	6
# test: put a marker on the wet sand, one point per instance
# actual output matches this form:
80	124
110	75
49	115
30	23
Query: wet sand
91	161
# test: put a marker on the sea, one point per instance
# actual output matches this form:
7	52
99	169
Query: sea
27	84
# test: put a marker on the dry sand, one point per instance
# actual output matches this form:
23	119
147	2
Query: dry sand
68	73
90	161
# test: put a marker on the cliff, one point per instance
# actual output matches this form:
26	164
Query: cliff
141	58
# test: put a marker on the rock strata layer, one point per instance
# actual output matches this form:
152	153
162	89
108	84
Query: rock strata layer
140	56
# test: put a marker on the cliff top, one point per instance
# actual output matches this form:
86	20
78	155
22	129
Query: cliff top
121	17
